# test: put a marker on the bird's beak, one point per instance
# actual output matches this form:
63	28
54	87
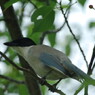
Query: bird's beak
10	44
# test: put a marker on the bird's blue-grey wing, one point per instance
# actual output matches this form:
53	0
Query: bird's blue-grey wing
66	67
54	62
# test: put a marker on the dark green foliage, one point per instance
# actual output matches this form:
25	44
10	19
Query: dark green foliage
23	90
10	2
52	39
43	19
92	24
82	2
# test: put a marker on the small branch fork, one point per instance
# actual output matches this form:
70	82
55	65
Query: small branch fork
52	88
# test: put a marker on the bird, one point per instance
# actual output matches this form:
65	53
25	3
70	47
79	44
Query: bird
47	61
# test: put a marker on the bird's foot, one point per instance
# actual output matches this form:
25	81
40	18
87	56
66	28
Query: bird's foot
42	81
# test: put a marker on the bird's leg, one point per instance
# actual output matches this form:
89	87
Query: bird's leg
54	85
47	74
45	77
57	82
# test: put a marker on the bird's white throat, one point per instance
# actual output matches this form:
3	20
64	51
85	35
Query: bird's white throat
22	50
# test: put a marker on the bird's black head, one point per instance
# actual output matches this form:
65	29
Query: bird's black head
22	42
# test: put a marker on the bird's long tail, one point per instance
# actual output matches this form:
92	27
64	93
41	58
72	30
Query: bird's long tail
81	74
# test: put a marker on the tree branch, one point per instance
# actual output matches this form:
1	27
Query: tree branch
86	88
33	4
73	34
12	80
90	68
4	53
50	32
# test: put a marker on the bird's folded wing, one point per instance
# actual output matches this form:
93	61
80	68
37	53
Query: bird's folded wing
53	62
66	67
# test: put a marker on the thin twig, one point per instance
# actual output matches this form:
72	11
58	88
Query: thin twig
86	88
50	32
91	62
73	34
70	5
33	4
4	53
93	66
79	89
21	16
90	68
12	80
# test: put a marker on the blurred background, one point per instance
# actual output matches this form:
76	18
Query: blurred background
82	22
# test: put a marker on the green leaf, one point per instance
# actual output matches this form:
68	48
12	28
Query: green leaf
1	91
5	33
46	21
92	25
29	30
68	49
39	4
52	38
82	2
65	6
44	90
12	88
79	89
9	3
23	90
68	41
2	33
36	36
